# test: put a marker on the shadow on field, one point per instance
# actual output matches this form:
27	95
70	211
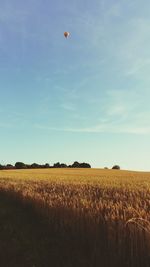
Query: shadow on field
27	238
32	236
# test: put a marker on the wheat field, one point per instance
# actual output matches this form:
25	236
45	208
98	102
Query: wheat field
101	217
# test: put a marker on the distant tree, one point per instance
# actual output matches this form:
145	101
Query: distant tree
57	165
76	164
28	166
44	166
34	166
63	165
1	167
20	165
9	166
47	165
106	168
116	167
84	165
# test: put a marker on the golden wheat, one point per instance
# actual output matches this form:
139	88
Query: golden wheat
89	200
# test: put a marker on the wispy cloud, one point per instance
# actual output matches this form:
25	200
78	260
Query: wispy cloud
122	105
138	67
132	51
103	128
121	113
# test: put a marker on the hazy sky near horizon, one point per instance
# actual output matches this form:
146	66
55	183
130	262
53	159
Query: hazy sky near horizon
84	98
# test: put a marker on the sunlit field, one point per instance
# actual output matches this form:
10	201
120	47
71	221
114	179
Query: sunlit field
83	217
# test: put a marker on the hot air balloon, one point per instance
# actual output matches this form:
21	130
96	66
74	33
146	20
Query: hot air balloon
66	34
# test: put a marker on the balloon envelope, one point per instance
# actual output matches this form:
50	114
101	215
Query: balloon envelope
66	34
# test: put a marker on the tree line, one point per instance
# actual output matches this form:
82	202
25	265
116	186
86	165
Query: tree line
21	165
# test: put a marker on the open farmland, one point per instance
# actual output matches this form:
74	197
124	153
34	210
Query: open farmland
74	217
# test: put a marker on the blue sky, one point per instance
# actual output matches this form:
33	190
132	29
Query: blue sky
84	98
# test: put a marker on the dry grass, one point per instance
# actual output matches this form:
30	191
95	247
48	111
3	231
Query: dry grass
106	212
